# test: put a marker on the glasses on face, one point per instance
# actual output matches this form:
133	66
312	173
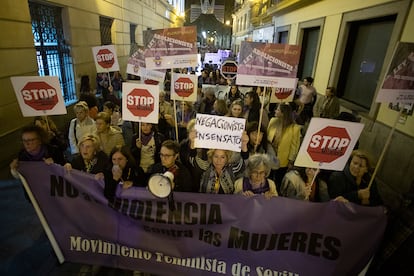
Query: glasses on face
162	155
27	141
258	173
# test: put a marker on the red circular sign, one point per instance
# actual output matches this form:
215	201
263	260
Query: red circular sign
39	95
184	87
149	81
229	69
105	58
328	144
140	102
282	93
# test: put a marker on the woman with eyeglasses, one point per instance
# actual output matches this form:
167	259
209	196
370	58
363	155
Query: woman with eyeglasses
91	158
255	179
351	184
169	154
304	184
36	148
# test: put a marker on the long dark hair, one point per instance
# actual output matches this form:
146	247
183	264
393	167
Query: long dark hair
252	127
124	150
287	115
85	86
254	108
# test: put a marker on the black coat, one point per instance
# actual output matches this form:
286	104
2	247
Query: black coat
344	184
129	173
182	180
100	166
47	151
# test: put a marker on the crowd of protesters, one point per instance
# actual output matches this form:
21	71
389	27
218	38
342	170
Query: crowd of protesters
268	151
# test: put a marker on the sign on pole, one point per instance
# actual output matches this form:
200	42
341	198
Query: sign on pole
229	69
184	87
268	64
398	84
219	132
105	58
171	48
136	66
136	61
39	96
212	58
282	95
141	103
328	144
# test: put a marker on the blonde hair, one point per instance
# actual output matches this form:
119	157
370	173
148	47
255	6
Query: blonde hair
105	117
81	105
191	125
93	138
211	152
364	156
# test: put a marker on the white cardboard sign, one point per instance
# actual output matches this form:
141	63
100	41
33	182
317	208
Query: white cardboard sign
328	144
105	58
184	87
140	102
39	96
219	132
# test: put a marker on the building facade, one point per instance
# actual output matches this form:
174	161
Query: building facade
348	45
66	31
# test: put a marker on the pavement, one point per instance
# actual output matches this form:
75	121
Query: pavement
24	247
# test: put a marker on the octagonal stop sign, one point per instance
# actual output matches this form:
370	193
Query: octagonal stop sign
184	87
39	95
229	69
105	58
140	102
328	144
282	93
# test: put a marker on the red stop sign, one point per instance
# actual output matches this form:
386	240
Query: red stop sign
140	102
229	69
328	144
184	87
39	95
149	81
282	93
105	58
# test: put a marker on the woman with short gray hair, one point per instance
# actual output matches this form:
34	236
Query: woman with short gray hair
255	180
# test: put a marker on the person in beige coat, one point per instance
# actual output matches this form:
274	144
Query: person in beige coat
284	135
108	135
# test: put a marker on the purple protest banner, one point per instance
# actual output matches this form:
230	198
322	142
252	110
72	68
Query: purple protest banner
203	234
268	64
170	48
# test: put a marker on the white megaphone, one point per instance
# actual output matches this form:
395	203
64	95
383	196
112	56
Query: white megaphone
161	184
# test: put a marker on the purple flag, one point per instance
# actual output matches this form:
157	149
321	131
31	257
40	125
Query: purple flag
203	234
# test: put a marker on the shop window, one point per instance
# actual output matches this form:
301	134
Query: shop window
364	55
